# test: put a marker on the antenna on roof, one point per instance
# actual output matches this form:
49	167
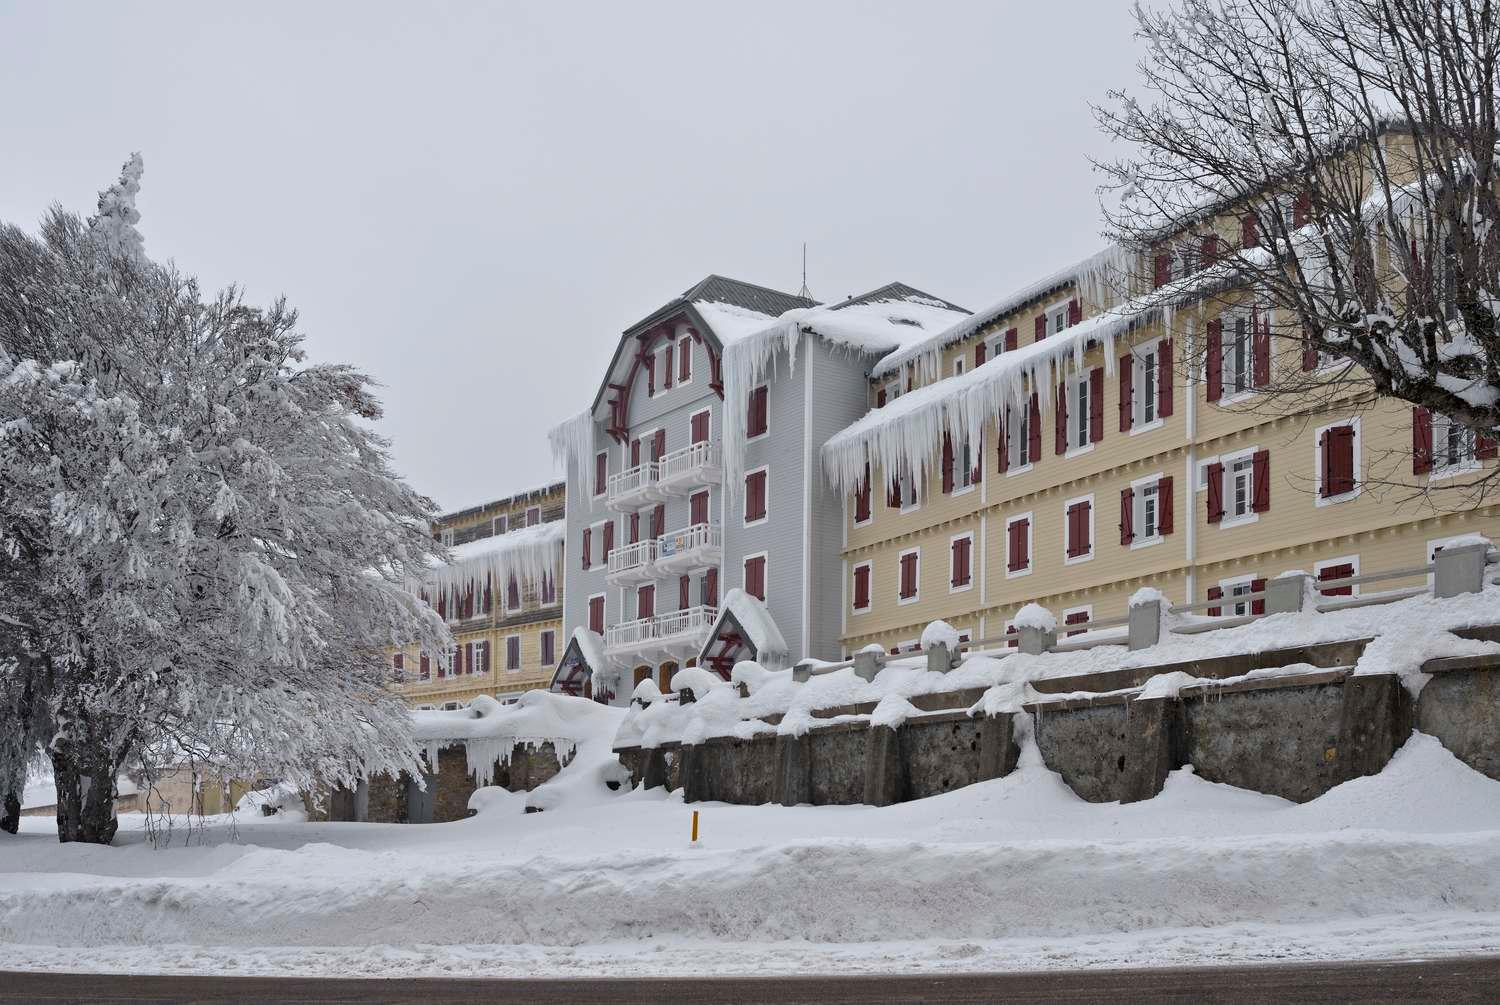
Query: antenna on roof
804	293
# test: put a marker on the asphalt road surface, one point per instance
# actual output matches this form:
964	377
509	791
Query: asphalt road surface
1453	980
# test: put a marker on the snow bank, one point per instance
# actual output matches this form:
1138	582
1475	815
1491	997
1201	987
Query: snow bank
489	731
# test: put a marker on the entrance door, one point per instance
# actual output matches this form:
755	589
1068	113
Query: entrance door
664	676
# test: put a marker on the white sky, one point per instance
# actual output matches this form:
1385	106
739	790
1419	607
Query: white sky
472	201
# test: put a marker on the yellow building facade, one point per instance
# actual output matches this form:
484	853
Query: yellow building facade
1187	475
501	596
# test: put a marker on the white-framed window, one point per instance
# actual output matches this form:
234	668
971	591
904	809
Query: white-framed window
1145	386
1077	616
447	536
909	577
1057	317
1018	550
451	706
1239	354
1078	412
863	590
1336	452
548	644
1239	488
428	707
1145	517
758	413
1018	430
755	573
512	654
1338	568
533	515
1078	529
958	366
499	525
963	466
892	390
911	500
1453	447
961	562
757	508
1239	586
601	473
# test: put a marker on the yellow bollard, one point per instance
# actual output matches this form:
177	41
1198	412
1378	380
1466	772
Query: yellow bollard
695	827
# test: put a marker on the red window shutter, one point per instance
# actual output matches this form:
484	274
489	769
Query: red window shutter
1013	558
1302	209
1083	541
1210	249
1040	326
684	592
1127	516
880	398
398	661
1161	270
976	474
635	453
1309	353
650	362
1096	404
1215	492
1023	540
458	660
609	538
1164	505
1164	378
684	361
947	463
1261	475
596	615
424	666
1325	463
699	427
1002	442
1012	339
513	653
1258	606
1260	350
588	535
711	587
668	365
755	495
862	497
758	417
1215	593
1061	420
1421	440
1076	618
1485	447
861	587
1127	392
469	662
755	577
1342	571
979	354
1034	448
548	654
1342	445
659	520
955	572
658	444
1075	311
645	602
512	594
1249	230
1214	365
635	528
601	473
698	508
893	497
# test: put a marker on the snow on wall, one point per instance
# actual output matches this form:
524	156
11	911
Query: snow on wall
528	554
489	731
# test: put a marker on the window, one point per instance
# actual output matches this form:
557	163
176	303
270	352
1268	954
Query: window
1023	436
903	493
608	544
1079	530
1239	487
1078	429
755	576
755	496
645	602
958	367
499	524
757	418
960	562
1338	568
549	588
910	566
549	648
480	661
533	515
698	427
890	392
862	493
512	653
513	594
1240	587
1453	445
1337	462
698	508
1146	511
1018	545
596	614
447	538
588	540
1442	447
710	588
424	667
1078	616
966	467
1080	417
862	573
601	472
684	359
398	663
1062	316
668	364
1242	482
1146	385
1239	356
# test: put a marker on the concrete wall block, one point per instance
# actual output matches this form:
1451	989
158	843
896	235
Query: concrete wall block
885	769
942	755
1376	721
1144	626
1284	594
867	665
1459	570
1462	709
837	773
1034	641
1153	747
793	770
998	750
938	660
1088	747
1283	741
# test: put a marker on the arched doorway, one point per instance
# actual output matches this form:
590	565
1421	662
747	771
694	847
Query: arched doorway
664	676
642	673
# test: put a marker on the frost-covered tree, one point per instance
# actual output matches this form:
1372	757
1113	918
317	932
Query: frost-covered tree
211	548
1355	140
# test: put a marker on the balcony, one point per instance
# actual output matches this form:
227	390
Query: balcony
695	547
632	563
632	488
692	467
676	636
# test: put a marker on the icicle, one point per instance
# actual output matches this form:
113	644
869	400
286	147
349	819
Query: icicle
572	442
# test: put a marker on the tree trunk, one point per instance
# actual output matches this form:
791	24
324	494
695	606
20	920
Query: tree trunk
85	775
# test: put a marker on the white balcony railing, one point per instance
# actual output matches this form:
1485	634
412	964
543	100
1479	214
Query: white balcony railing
631	562
629	487
672	634
701	544
691	466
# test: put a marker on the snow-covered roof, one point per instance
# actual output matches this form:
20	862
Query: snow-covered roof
528	554
756	622
1098	275
490	730
591	646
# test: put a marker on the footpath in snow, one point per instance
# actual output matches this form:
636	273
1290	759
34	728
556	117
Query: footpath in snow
1014	873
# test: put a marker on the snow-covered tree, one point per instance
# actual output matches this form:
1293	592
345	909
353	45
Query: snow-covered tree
1354	142
211	547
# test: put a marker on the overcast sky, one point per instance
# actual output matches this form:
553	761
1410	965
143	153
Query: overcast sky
471	201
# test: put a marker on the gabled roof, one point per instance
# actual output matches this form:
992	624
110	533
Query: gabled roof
898	291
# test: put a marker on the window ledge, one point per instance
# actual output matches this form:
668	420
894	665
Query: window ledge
1078	559
1018	573
903	601
1078	451
1233	399
965	588
1454	471
962	491
1148	427
1342	497
755	523
1023	469
1229	522
1146	542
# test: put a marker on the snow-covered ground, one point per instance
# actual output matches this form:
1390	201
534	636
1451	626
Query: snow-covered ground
1010	874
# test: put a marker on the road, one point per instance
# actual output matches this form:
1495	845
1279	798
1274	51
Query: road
1453	980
